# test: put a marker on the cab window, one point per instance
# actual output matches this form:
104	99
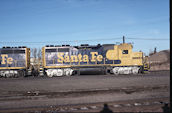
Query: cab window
125	52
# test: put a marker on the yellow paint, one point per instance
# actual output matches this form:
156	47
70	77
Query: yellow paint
26	61
12	67
60	57
99	58
9	61
6	59
126	59
27	53
93	56
43	57
3	58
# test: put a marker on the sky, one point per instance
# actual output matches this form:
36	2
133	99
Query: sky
36	23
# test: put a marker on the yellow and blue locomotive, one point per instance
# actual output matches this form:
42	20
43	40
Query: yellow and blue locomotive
14	61
110	58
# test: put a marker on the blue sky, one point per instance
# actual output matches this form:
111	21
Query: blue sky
36	23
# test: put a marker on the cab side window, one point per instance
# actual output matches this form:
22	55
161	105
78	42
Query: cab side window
125	52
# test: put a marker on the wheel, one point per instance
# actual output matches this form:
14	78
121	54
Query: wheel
107	72
141	70
116	70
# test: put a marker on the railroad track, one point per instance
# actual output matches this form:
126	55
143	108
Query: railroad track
138	105
85	93
126	104
22	95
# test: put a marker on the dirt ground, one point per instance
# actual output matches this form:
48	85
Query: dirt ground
160	60
86	93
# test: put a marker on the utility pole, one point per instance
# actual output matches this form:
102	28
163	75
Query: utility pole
154	50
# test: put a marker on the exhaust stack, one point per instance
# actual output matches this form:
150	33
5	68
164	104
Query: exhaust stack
123	39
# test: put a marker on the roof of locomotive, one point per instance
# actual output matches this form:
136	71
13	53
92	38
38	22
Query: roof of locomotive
81	46
8	47
87	46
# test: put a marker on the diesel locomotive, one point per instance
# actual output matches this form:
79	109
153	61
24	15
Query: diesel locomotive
69	60
14	61
115	59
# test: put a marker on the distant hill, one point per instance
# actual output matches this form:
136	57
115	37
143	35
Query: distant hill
160	60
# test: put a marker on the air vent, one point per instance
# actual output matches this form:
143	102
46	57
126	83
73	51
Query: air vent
84	45
57	45
51	45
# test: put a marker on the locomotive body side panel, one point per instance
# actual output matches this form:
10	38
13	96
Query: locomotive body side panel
14	62
71	57
14	58
113	55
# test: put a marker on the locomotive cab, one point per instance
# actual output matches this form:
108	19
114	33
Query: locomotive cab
131	62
